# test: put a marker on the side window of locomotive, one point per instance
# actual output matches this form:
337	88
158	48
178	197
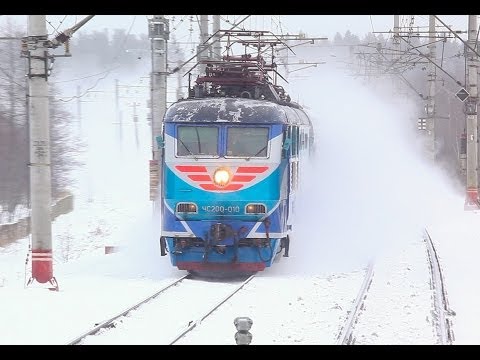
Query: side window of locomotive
197	140
303	142
284	145
287	140
247	141
294	141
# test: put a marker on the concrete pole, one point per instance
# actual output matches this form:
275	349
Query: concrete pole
117	106
430	106
217	47
118	114
203	55
159	35
396	48
471	117
379	65
12	84
135	122
39	144
135	117
79	109
179	81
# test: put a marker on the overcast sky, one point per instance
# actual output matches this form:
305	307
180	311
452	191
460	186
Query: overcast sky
313	25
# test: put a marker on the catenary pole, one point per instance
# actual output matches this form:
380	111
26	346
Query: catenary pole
79	108
430	106
471	116
203	55
396	47
35	48
179	81
39	145
217	46
159	36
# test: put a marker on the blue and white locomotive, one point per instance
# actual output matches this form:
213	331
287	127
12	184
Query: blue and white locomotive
231	160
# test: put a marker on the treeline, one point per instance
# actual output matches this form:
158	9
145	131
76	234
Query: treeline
14	146
102	49
117	51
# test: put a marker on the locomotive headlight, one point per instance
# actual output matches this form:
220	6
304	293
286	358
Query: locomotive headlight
221	177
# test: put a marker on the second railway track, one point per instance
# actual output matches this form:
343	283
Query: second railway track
442	310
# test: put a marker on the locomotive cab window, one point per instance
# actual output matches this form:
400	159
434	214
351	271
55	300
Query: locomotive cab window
247	141
197	141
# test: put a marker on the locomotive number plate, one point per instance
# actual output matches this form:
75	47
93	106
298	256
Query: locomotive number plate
221	209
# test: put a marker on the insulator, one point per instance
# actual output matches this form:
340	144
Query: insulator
67	46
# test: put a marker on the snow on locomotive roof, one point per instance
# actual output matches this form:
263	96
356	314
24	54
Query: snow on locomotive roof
240	110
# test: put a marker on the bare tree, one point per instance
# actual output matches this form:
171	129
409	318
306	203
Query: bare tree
14	156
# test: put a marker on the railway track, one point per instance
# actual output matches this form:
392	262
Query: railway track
163	330
175	318
431	291
166	318
345	336
108	323
442	312
210	311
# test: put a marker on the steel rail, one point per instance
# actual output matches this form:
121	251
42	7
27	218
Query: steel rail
195	323
345	335
106	323
442	310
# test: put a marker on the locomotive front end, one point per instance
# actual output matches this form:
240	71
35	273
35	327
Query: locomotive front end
223	207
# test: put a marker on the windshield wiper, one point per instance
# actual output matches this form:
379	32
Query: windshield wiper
198	141
186	148
258	152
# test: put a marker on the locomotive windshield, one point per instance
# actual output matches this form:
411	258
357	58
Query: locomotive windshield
197	140
241	141
247	141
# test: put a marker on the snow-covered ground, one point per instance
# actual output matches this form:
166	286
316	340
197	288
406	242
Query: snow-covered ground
367	194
